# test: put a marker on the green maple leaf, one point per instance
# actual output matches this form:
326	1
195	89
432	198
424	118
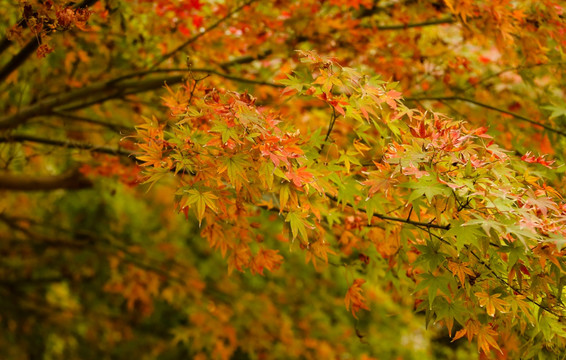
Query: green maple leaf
557	111
427	186
515	253
465	234
201	200
235	167
432	284
299	224
374	205
450	311
430	255
226	132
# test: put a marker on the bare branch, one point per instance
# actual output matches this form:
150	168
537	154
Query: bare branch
115	127
68	144
70	180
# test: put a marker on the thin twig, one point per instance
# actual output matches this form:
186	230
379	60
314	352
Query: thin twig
428	225
330	126
200	34
449	20
490	107
499	278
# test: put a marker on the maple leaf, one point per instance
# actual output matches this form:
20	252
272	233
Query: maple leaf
266	259
239	259
354	297
236	169
486	337
460	270
470	329
433	284
360	147
299	224
201	200
390	98
557	111
318	249
537	159
492	303
299	177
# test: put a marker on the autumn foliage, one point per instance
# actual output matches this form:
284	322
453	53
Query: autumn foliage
283	179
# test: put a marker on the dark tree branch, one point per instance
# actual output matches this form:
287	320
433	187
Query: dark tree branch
50	104
198	70
19	58
45	281
427	225
70	180
330	126
68	144
100	92
114	127
29	49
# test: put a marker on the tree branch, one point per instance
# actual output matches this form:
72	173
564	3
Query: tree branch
68	144
330	126
29	49
490	107
98	93
449	20
202	71
70	180
50	104
497	276
19	58
428	225
114	127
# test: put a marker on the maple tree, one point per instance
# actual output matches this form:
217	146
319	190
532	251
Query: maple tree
282	179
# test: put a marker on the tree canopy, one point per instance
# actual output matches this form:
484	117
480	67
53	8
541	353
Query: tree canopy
316	179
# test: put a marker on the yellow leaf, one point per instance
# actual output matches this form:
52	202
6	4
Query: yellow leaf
492	303
361	147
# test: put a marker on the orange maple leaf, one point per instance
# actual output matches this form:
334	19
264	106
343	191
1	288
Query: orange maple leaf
492	303
460	270
355	298
266	259
486	339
